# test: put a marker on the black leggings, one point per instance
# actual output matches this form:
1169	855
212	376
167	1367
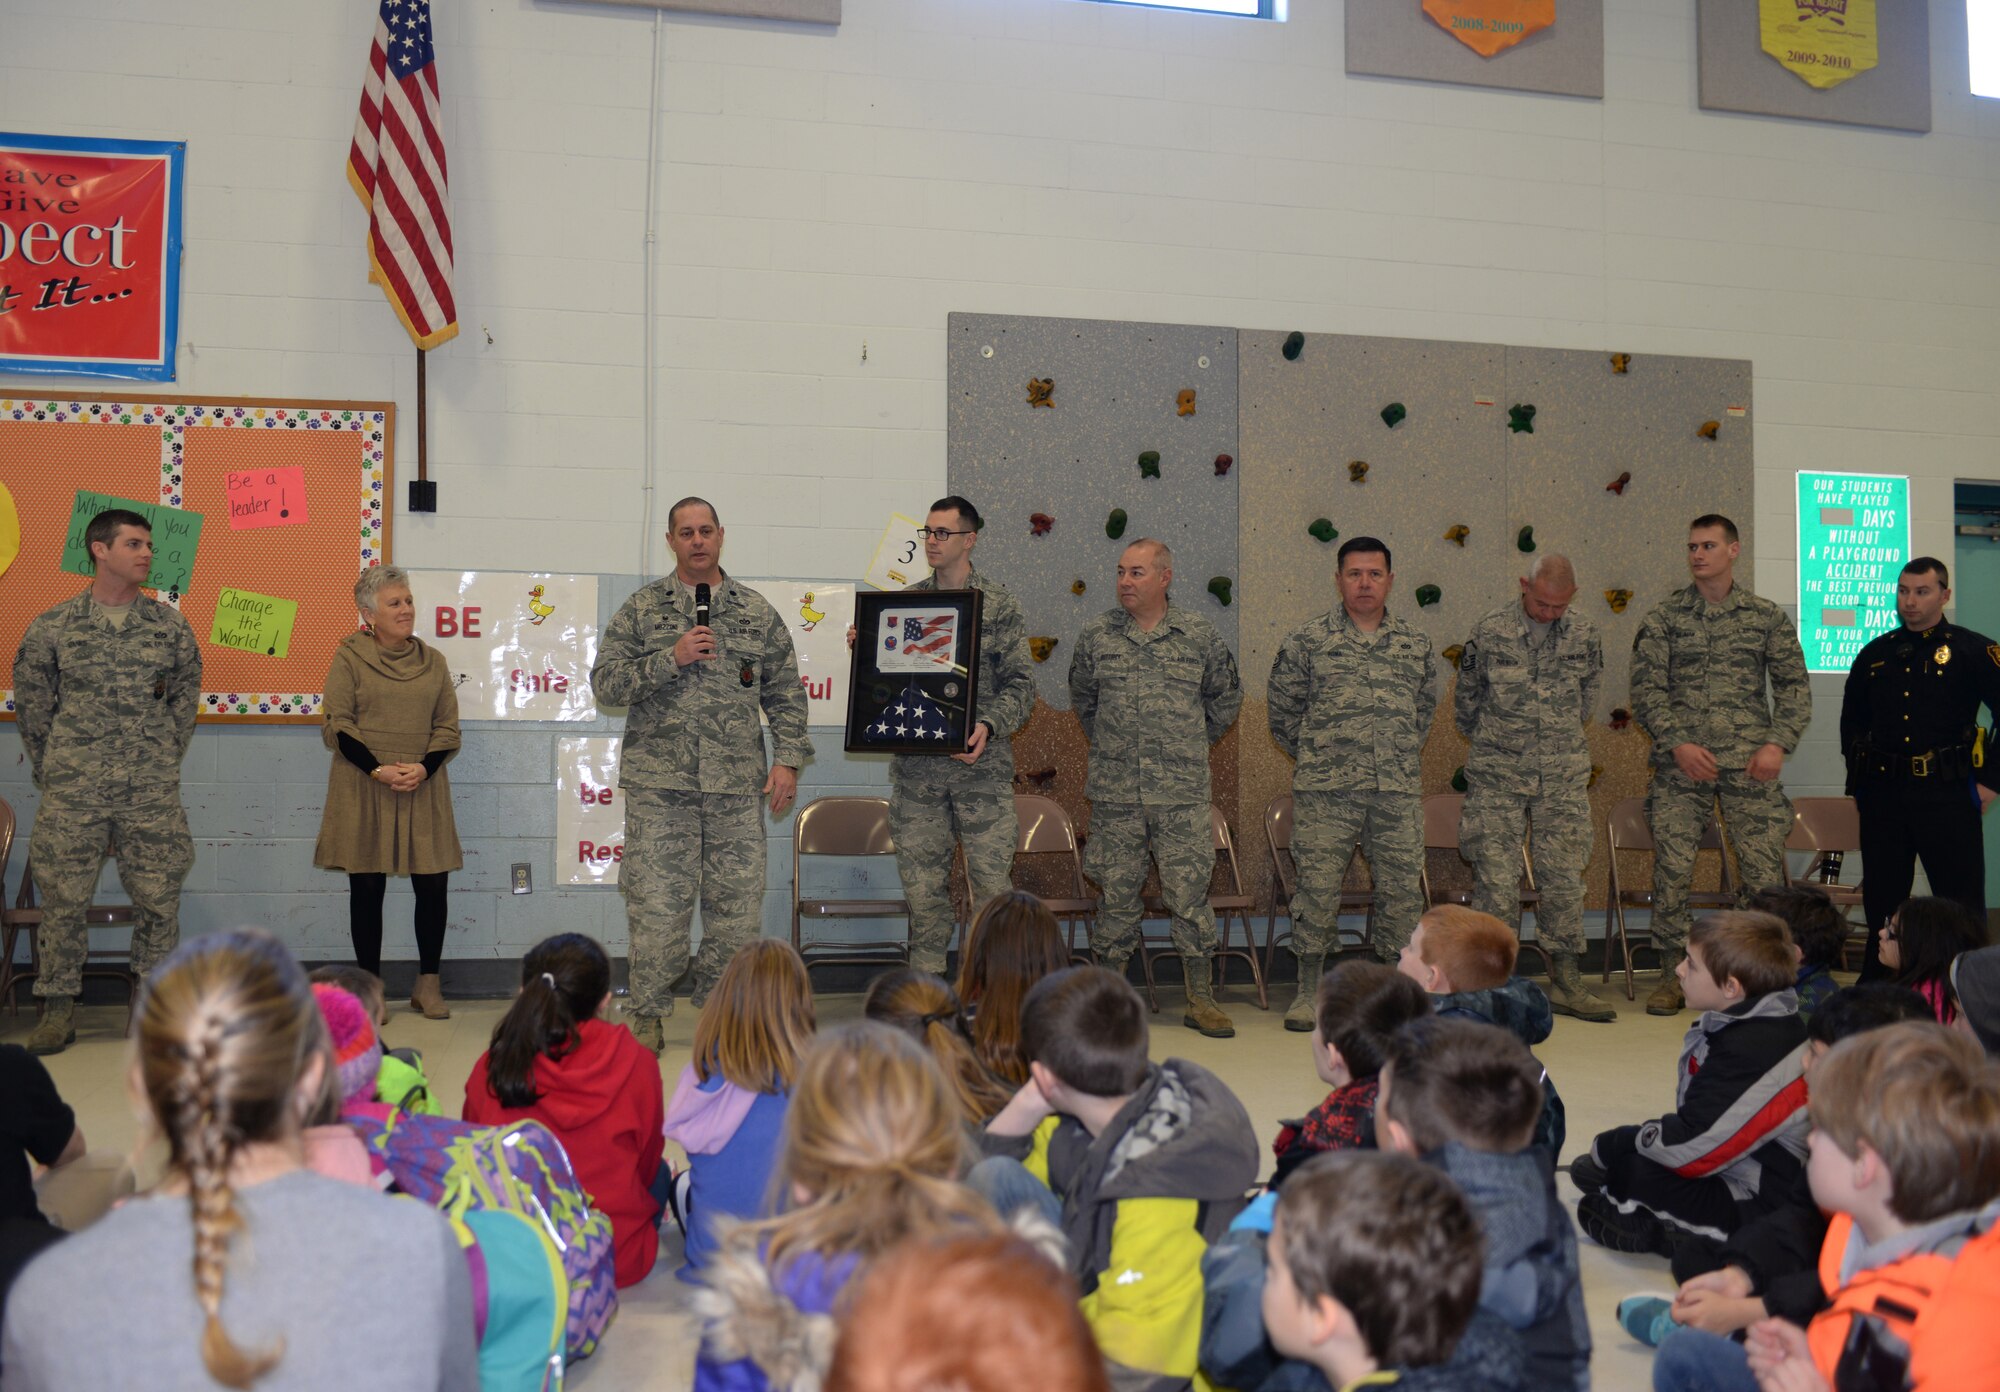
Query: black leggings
364	919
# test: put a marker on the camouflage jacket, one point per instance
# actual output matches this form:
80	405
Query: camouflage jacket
1006	690
1151	704
1524	705
1698	673
103	710
694	728
1354	711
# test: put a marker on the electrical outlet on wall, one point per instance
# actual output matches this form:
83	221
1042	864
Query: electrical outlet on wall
524	879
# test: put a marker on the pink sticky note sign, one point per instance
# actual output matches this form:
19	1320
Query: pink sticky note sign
267	498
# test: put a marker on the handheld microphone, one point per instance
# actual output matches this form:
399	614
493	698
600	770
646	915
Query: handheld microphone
701	606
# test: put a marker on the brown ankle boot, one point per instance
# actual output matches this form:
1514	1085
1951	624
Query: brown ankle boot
428	997
1202	1012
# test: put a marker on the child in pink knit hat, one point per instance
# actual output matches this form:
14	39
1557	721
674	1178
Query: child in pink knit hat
353	1053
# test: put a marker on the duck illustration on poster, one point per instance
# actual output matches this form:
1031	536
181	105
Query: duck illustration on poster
536	607
811	615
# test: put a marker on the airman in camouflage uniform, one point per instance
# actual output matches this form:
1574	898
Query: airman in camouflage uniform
968	797
106	689
1154	686
1699	667
1527	685
1352	695
692	764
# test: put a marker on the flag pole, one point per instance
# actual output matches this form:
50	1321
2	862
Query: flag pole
423	493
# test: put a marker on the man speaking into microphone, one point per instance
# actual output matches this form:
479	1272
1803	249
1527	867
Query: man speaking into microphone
694	658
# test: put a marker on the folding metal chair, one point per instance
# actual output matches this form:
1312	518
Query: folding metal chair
1630	834
1442	814
1284	884
845	827
26	917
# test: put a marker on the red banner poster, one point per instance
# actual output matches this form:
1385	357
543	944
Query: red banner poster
90	252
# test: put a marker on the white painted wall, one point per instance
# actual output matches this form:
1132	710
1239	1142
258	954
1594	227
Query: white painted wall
822	190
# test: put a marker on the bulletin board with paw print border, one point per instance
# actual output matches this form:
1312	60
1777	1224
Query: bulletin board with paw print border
180	450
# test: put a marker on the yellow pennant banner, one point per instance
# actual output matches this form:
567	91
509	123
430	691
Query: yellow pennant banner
1488	26
1824	41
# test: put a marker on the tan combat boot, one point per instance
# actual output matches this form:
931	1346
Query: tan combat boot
646	1029
428	997
1667	998
1202	1012
1568	995
1303	1015
56	1030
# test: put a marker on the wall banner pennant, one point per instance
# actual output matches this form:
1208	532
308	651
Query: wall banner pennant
1489	26
1825	42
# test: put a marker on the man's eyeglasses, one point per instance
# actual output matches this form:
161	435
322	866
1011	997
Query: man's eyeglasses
942	533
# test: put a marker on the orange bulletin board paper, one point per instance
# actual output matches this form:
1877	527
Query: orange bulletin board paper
182	451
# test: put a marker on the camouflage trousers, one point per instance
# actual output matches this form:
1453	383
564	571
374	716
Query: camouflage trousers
1491	831
68	847
1756	819
1115	856
1325	829
682	848
930	811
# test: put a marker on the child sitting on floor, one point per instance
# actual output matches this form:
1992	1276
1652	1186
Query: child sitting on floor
1818	932
1014	943
1906	1157
399	1078
554	1060
923	1007
1462	1095
728	1109
1919	943
1373	1280
1142	1165
1769	1266
1465	959
1733	1148
1360	1004
872	1150
1975	988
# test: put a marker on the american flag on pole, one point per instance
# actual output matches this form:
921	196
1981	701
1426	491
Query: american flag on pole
397	167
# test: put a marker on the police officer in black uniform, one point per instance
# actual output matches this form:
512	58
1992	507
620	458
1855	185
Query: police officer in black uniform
1908	728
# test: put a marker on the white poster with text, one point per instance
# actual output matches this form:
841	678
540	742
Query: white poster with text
590	811
520	645
817	614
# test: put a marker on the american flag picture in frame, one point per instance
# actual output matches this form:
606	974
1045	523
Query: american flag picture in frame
915	687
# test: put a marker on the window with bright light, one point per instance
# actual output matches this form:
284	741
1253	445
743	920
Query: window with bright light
1247	9
1982	26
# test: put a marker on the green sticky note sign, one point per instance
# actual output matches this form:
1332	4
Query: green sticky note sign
253	623
176	534
1853	539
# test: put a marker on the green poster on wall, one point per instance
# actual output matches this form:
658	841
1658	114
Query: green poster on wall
1854	536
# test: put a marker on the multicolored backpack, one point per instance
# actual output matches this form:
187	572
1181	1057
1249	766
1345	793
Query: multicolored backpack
522	1168
520	1299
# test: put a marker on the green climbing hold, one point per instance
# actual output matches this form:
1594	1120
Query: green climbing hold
1114	525
1323	529
1219	587
1149	464
1458	784
1521	419
1295	344
1393	414
1524	539
1427	595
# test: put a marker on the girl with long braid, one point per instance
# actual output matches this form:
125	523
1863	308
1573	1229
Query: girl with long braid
244	1269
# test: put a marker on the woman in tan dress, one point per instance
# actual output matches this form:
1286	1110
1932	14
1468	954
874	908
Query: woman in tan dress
392	723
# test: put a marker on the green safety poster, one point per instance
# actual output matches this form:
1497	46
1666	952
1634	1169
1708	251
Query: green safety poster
1854	538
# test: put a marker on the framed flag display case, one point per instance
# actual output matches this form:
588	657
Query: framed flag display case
915	682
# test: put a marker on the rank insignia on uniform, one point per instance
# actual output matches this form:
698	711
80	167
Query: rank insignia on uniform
1942	655
1993	651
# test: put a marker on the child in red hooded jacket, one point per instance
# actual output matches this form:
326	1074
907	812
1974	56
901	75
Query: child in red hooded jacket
597	1088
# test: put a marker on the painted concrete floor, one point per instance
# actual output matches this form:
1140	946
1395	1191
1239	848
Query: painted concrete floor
1608	1074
